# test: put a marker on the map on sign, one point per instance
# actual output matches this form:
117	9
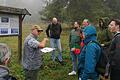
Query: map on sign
9	24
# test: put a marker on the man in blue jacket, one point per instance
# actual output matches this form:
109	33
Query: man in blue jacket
89	55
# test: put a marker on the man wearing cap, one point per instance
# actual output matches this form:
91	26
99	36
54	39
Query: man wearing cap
31	58
53	31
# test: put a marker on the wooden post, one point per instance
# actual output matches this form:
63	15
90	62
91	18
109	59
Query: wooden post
20	38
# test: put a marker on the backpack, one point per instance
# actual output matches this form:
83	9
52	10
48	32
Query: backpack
102	66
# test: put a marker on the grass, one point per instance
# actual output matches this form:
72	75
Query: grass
49	70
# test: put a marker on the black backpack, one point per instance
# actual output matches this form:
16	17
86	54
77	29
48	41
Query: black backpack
102	66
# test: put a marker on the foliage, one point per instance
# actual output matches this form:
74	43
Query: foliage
114	5
55	9
70	10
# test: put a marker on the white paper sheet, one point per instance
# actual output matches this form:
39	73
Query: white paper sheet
47	49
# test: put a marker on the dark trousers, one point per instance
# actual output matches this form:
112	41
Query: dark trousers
31	74
115	74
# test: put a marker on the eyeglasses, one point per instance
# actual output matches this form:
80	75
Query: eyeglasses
38	31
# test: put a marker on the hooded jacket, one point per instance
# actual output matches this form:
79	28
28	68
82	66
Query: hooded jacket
89	55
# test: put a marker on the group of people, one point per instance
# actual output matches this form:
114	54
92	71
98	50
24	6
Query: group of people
82	49
108	38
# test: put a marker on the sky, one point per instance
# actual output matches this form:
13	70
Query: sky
33	6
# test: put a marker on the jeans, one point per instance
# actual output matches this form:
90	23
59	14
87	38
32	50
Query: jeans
55	43
74	60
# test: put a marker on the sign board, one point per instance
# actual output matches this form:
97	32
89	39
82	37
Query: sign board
9	24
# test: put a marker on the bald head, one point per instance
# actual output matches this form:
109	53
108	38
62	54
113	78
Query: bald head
54	20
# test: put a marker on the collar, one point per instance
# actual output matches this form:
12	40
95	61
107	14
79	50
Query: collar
118	32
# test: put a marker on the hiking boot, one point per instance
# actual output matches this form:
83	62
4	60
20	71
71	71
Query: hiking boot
61	62
72	73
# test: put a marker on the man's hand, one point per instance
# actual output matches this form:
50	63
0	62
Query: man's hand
43	43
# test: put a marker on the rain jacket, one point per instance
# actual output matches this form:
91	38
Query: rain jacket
89	55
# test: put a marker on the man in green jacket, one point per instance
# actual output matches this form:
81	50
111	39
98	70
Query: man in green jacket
74	43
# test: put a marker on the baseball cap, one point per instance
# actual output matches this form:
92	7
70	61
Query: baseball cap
37	27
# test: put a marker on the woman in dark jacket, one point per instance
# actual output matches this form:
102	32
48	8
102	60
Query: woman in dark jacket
104	37
103	34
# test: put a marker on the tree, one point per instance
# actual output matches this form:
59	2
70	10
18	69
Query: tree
54	9
71	10
114	5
